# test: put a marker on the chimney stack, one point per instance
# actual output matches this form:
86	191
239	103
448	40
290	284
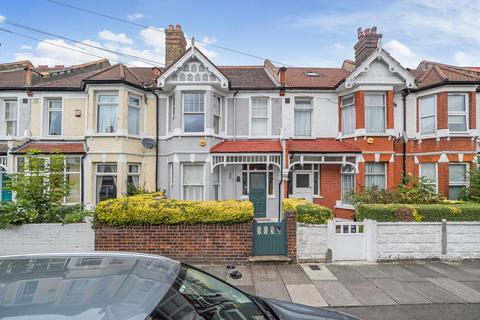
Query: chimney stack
367	44
175	44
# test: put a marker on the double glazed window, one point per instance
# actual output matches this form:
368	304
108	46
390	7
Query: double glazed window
73	172
193	181
107	113
375	175
133	177
457	112
54	117
259	117
216	183
193	112
217	113
426	108
171	113
375	113
133	115
457	179
348	183
428	171
348	115
11	117
106	181
303	117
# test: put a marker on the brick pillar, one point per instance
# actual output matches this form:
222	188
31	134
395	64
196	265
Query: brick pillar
390	111
390	175
292	235
360	109
360	177
442	110
472	110
443	178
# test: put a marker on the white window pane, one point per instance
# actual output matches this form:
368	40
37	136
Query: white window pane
427	125
375	119
133	168
55	104
259	110
193	102
375	168
55	123
375	175
107	118
259	127
193	193
427	105
374	100
73	164
347	100
73	180
106	168
134	101
454	191
133	120
108	98
303	104
193	174
302	123
457	173
457	103
194	122
348	120
457	123
428	171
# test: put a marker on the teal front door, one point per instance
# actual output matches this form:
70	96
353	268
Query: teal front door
258	193
5	195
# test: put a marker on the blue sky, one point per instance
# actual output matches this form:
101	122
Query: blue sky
297	33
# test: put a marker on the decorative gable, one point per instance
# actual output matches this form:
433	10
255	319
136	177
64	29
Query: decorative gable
193	71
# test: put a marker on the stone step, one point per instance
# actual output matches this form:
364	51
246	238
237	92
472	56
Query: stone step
275	259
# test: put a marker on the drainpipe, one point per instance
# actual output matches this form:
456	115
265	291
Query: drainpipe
405	93
280	189
234	117
157	106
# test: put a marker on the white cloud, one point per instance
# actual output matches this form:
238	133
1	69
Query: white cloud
2	19
134	16
464	59
203	46
25	47
108	35
338	45
402	53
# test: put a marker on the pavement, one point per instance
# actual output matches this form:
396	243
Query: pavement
431	290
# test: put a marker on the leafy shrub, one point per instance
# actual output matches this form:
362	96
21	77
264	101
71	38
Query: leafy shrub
419	212
308	212
472	191
154	209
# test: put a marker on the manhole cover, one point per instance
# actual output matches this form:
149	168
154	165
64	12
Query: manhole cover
314	267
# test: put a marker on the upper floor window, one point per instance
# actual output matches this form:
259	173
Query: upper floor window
303	117
11	117
375	175
54	117
171	112
107	113
427	117
348	115
375	113
457	112
217	114
193	112
259	117
133	115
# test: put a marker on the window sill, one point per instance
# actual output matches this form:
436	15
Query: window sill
340	205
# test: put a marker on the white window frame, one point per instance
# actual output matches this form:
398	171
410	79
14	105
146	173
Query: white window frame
67	172
434	115
342	176
5	101
217	115
202	164
376	106
134	174
376	174
302	109
98	104
345	107
458	183
313	172
170	177
171	113
217	186
139	110
268	170
269	116
97	174
434	183
186	113
49	110
459	113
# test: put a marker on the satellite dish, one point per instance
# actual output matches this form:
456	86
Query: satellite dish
148	143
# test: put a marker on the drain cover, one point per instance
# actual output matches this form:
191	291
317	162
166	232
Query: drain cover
314	267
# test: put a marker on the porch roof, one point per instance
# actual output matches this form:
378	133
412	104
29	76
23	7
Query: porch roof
247	146
52	147
322	145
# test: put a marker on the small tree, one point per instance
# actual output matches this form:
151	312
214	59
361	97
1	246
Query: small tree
39	186
472	191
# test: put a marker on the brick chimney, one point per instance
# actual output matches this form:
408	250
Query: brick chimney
367	44
175	44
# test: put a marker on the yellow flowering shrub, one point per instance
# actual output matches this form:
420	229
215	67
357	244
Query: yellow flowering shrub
153	209
308	212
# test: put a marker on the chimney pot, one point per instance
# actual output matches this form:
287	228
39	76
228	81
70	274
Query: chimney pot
367	43
178	27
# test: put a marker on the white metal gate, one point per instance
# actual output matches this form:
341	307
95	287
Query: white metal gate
352	241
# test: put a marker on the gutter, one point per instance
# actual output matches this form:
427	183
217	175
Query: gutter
405	93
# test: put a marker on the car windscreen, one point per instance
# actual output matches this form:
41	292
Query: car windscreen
196	295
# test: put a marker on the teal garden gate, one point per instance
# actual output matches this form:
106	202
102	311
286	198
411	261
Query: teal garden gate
269	238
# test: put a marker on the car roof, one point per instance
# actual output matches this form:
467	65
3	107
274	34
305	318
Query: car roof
93	286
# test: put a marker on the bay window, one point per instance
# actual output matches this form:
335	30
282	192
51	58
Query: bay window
193	181
428	172
457	112
54	117
427	114
348	183
133	115
216	183
375	113
107	113
133	177
375	175
348	115
457	179
303	117
193	112
217	113
171	113
73	172
259	117
106	179
11	117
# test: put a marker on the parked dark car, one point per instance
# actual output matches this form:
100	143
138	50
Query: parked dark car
129	286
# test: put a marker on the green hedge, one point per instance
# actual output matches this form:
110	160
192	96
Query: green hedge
419	212
153	209
308	212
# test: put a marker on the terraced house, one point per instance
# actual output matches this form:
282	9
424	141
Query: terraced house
264	132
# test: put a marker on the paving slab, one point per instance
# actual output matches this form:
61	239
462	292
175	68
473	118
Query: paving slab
458	289
335	293
397	272
245	280
370	295
318	272
306	294
433	292
371	271
422	270
472	267
217	271
452	272
475	285
274	289
293	274
265	272
399	292
348	275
